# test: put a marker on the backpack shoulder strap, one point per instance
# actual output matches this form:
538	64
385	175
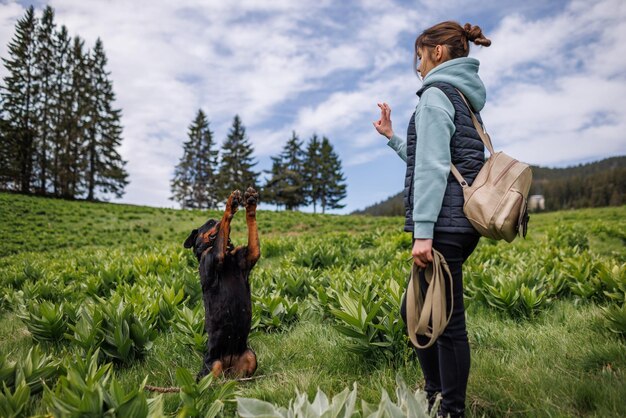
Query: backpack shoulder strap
482	132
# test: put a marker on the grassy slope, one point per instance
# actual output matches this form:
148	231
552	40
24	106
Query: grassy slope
32	224
563	364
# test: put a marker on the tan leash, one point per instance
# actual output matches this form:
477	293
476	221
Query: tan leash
420	311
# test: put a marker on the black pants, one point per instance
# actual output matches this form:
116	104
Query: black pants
446	363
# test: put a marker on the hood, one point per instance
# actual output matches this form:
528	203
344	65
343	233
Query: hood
462	73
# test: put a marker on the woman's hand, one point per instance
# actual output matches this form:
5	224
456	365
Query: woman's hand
422	252
383	125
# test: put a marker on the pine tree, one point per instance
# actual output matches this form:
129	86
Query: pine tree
62	111
19	95
8	168
293	166
105	169
74	122
272	190
311	173
237	161
182	183
333	188
286	184
45	66
195	181
205	187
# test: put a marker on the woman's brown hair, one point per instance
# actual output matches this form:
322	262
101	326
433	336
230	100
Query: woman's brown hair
454	36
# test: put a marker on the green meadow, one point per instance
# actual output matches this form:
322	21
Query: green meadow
98	300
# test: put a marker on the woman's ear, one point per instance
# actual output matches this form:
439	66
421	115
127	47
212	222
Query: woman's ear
191	239
439	51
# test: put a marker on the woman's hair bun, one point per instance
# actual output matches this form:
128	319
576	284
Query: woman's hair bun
475	34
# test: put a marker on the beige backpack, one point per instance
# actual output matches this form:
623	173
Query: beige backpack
496	202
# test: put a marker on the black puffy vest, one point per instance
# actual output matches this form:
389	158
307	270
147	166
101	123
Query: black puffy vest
468	155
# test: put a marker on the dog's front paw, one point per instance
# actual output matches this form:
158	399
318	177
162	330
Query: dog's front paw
234	200
250	198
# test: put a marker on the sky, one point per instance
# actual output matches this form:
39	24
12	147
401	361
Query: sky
555	76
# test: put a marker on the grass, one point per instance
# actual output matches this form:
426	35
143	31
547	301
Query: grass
563	363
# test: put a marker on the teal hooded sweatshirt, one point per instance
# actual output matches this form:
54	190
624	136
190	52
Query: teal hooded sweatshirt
434	127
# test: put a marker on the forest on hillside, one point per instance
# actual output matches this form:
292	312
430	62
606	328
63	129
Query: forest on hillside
596	184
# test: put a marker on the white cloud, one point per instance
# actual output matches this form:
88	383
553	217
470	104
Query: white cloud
579	74
321	66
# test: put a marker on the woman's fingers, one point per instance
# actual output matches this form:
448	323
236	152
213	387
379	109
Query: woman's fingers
422	252
385	111
419	262
383	125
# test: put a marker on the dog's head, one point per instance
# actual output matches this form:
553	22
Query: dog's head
203	238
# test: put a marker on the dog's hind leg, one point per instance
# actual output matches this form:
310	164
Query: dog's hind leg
250	199
221	242
215	367
245	365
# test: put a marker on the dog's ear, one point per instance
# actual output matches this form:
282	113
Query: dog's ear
191	239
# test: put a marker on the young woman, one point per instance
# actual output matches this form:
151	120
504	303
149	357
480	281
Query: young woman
441	132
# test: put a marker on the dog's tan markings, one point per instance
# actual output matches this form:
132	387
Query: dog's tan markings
221	242
251	198
217	368
246	364
211	233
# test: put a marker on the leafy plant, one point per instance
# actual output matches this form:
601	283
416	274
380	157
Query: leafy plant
341	405
127	334
321	254
356	317
294	282
532	301
45	321
12	403
202	398
503	295
87	333
409	404
567	236
616	318
273	312
126	404
35	370
190	323
167	304
613	279
90	390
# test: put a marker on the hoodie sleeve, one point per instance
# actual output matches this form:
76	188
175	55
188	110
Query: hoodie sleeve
434	126
398	145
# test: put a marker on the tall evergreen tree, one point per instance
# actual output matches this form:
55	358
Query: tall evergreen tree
74	124
8	168
181	185
293	166
105	167
45	66
272	190
237	161
19	95
312	174
205	187
286	184
333	186
195	180
62	109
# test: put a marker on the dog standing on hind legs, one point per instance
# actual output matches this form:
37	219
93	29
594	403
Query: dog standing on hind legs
224	272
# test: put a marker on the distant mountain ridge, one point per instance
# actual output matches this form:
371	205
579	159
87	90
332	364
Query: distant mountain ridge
595	184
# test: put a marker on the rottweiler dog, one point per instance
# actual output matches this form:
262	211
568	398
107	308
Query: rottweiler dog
224	271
